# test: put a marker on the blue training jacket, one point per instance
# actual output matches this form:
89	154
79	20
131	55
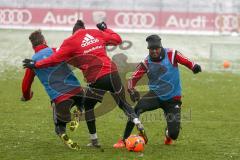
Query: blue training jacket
164	78
56	80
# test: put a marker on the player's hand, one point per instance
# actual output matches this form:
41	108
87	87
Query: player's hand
134	95
28	63
196	69
102	26
24	99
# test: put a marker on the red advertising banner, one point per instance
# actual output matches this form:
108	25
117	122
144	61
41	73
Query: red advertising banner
139	20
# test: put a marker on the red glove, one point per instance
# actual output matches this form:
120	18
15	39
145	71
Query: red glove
27	99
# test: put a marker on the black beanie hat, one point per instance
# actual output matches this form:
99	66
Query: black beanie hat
154	41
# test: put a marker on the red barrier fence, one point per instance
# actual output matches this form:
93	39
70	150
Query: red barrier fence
126	20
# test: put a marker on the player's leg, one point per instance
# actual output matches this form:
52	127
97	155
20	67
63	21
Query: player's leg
91	122
61	116
118	92
148	102
172	112
112	83
94	94
78	112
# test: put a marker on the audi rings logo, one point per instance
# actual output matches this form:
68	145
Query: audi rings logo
15	16
136	20
227	22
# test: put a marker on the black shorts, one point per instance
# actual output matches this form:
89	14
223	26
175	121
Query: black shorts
61	111
110	82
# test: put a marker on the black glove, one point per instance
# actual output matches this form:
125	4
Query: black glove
28	63
102	26
134	95
196	68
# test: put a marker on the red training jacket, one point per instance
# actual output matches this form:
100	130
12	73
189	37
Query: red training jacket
86	50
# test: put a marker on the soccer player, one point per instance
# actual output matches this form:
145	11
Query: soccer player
59	82
86	50
161	67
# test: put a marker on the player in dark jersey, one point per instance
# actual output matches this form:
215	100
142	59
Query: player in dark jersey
60	84
86	50
161	67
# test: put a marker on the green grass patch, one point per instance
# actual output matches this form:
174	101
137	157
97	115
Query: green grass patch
210	125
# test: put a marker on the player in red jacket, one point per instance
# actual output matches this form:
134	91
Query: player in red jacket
86	50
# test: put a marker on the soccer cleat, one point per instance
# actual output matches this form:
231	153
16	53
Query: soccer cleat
168	141
73	125
75	122
94	143
68	142
142	132
119	144
77	114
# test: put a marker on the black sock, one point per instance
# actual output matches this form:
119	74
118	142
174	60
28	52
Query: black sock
91	126
128	130
60	127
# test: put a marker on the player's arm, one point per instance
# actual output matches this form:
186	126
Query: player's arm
64	53
26	85
136	76
181	59
110	37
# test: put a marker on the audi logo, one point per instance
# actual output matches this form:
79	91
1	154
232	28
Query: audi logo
134	20
227	22
15	16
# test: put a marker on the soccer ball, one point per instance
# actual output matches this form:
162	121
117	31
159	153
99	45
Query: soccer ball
135	143
226	64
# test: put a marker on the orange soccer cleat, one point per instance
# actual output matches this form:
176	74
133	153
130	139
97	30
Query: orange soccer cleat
119	144
168	141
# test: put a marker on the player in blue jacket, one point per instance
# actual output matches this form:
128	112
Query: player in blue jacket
59	82
161	67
